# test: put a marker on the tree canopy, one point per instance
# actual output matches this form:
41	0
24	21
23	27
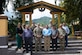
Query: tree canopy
73	10
22	2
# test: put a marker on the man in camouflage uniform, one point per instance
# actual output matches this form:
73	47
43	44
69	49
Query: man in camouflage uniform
61	37
38	34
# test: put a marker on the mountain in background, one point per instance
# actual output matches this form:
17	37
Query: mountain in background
43	20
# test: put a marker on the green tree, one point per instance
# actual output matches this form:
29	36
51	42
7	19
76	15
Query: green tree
12	23
73	10
20	3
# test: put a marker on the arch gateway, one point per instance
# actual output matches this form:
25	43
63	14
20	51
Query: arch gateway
25	10
41	5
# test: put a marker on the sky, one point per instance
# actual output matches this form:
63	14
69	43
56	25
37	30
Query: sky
10	12
36	14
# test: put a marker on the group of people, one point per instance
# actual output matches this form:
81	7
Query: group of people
47	33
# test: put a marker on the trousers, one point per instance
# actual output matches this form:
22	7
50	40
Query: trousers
54	41
19	41
46	43
37	43
28	42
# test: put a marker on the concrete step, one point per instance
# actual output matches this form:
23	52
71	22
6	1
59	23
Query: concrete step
57	52
68	50
69	40
74	47
77	42
58	49
74	44
11	52
69	45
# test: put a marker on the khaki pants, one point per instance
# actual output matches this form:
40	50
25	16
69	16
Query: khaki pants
37	43
62	43
46	43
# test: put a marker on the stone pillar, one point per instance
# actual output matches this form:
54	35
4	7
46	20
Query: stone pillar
23	17
3	35
53	20
59	14
30	19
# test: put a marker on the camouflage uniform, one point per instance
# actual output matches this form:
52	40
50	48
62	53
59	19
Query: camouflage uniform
61	38
38	34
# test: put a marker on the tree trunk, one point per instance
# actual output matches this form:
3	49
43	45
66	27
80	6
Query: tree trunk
81	22
2	3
